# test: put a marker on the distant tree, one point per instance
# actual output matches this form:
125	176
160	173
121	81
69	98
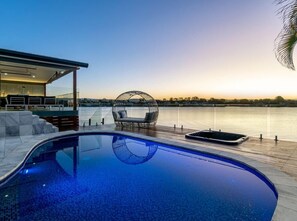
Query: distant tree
244	101
266	101
279	99
221	101
187	98
195	98
211	100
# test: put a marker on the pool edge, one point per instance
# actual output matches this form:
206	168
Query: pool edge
283	183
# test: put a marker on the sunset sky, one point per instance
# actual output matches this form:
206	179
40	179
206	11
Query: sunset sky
167	48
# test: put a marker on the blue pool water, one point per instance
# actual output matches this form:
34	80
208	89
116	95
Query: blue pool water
112	177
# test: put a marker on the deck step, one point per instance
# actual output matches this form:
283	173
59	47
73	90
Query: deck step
22	123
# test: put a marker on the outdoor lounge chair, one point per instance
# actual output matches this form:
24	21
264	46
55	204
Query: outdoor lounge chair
15	101
143	100
121	117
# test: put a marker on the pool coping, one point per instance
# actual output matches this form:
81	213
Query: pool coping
285	185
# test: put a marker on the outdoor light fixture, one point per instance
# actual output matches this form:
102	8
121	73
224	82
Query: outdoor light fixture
16	73
23	74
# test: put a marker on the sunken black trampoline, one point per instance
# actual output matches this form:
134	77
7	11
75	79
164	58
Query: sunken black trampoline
218	137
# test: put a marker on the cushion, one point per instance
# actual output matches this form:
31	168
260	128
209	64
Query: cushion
149	117
132	120
123	113
155	117
115	115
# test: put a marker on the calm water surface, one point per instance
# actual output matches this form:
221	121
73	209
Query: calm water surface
252	121
114	177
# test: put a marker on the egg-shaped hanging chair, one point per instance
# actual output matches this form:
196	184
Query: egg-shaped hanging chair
135	108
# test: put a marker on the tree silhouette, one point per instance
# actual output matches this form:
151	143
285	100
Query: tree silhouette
279	99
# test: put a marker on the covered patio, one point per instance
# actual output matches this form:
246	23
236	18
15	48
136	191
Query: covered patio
23	86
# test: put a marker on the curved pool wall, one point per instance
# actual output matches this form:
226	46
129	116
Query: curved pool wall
127	157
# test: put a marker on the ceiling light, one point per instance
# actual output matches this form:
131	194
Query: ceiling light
16	73
33	76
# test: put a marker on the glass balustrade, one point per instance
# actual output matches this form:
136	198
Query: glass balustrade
252	121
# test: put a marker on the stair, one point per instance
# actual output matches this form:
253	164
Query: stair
21	123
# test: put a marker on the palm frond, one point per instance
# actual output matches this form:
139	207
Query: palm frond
284	47
287	38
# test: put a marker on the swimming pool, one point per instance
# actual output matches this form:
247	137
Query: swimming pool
116	177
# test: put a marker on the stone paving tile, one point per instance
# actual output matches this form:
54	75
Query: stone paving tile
11	143
2	148
284	214
290	171
26	138
287	190
289	202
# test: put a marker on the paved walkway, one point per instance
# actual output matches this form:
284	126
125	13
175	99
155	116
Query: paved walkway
277	161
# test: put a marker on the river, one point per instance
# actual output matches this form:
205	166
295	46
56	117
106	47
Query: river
253	121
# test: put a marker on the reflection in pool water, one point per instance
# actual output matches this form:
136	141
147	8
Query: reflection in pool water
84	177
124	154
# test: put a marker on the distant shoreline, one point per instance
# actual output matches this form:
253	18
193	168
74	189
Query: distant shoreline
196	102
210	105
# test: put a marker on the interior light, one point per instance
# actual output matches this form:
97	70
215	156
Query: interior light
33	76
6	196
5	74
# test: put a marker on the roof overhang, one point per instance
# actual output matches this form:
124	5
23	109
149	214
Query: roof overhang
26	67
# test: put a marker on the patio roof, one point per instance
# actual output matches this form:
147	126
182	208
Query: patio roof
26	67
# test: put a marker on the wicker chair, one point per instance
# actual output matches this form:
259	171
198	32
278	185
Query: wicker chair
125	103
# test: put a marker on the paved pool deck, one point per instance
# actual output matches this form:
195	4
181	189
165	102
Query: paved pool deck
276	160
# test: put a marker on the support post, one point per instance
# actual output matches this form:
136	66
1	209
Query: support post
74	90
44	90
75	161
0	85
